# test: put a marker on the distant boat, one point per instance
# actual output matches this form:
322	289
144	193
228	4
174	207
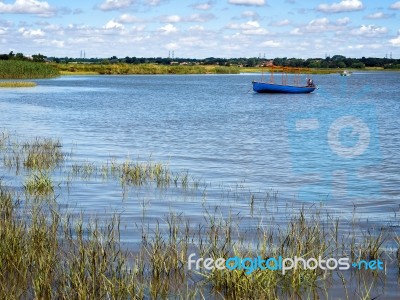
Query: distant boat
284	87
345	73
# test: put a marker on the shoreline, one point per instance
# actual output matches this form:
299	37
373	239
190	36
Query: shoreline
242	72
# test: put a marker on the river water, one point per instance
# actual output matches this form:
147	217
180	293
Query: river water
339	145
337	148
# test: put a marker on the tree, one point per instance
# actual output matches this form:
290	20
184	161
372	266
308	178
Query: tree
341	64
358	65
20	56
38	57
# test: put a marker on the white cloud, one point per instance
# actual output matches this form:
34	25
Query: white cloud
343	21
201	18
249	28
39	8
395	42
56	43
318	25
171	46
343	6
196	28
171	19
296	31
358	47
257	31
363	46
127	18
250	14
321	25
169	28
248	2
375	46
271	44
281	23
395	5
379	15
153	2
369	31
28	33
115	4
247	25
202	6
3	30
113	25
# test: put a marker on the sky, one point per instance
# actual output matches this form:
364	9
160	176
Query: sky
201	28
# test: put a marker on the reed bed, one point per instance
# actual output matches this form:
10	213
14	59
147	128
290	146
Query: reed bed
14	69
125	69
134	173
33	155
49	252
39	184
17	84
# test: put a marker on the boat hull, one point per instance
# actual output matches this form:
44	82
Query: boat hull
263	87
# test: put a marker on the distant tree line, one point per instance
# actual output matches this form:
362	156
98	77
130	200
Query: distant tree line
21	57
336	61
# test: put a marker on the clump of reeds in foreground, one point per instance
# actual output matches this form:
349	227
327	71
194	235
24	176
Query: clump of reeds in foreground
17	84
45	256
39	184
42	153
45	253
36	154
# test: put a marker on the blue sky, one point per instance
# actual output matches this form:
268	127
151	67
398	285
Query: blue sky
201	28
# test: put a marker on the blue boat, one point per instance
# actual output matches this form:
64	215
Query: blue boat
272	87
264	87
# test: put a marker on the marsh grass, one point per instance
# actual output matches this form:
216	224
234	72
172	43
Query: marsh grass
17	84
39	184
125	69
33	155
14	69
42	154
134	173
46	253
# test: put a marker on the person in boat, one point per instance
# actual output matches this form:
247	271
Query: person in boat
310	82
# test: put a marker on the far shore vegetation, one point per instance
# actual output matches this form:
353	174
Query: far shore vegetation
18	66
134	65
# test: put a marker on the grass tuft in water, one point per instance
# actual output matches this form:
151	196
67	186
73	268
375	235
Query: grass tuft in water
42	154
39	184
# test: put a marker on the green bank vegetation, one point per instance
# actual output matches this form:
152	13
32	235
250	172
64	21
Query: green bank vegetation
16	69
268	70
16	84
125	69
328	62
48	252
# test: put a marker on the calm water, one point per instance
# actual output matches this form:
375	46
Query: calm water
339	145
336	149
